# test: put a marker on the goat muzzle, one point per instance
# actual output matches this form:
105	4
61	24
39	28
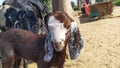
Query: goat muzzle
58	46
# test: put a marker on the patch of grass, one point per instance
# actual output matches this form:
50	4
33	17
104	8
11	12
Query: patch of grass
117	2
75	7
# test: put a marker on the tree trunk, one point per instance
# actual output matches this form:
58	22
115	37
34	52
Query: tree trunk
62	5
78	3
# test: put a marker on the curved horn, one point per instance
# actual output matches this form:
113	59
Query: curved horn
75	41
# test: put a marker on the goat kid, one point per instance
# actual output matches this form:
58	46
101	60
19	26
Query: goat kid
63	29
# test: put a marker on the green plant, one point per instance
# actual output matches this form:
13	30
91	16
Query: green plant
75	7
117	2
49	4
73	4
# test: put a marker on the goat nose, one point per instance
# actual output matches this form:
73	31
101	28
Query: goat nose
58	46
58	43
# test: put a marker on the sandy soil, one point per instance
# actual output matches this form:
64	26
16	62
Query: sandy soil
102	44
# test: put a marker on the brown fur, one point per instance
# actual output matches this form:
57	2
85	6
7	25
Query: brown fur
17	43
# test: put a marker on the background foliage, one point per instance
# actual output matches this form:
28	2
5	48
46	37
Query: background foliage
49	4
117	2
74	6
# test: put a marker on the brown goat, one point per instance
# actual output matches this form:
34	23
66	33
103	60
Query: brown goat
17	43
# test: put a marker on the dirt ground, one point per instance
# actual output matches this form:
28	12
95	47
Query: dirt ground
101	44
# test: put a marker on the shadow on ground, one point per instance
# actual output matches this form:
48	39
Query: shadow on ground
89	19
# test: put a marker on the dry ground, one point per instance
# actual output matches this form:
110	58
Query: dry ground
102	44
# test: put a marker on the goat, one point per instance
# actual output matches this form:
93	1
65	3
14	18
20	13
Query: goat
14	17
60	30
37	7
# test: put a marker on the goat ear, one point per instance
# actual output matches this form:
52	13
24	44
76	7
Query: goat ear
75	41
48	48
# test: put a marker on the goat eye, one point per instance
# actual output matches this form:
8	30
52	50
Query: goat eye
62	40
68	26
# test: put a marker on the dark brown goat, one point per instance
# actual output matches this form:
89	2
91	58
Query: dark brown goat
17	43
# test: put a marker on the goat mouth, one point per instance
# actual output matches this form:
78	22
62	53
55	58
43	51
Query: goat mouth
58	48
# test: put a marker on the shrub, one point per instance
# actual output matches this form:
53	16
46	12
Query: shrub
117	2
75	7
